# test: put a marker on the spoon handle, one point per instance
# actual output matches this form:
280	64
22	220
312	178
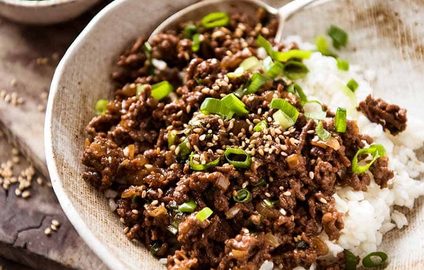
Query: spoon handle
286	11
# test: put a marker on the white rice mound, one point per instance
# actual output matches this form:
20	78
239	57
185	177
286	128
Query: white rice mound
373	208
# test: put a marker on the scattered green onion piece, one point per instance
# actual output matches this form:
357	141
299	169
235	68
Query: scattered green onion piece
195	46
269	203
236	73
101	106
292	54
215	19
338	35
203	214
189	30
234	104
285	107
264	43
375	150
375	259
154	249
202	167
296	89
340	120
172	137
342	64
350	260
267	63
282	119
322	133
260	126
295	70
215	106
352	85
238	157
172	229
147	48
275	70
242	196
322	46
140	89
161	90
256	82
187	207
184	147
250	64
313	110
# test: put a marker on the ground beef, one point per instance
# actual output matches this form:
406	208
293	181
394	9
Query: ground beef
142	149
390	116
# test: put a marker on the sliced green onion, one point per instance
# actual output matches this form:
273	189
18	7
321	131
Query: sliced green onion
195	46
172	229
267	63
184	149
342	64
256	82
313	110
340	120
275	70
269	203
101	106
172	137
215	19
296	89
215	106
203	214
260	126
352	85
375	150
187	207
375	259
202	167
295	70
322	133
292	54
154	249
282	119
323	47
242	196
237	157
236	73
147	48
140	89
338	35
264	43
285	107
234	104
350	260
161	90
189	30
250	64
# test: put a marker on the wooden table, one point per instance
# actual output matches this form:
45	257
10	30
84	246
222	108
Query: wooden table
28	56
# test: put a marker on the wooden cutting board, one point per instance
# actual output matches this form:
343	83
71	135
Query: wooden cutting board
28	57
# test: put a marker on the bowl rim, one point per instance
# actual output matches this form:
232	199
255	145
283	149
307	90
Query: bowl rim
32	3
74	217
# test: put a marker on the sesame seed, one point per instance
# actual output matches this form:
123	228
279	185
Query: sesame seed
287	193
55	223
154	202
261	151
267	194
134	211
26	194
53	227
126	229
47	231
311	175
323	200
18	192
283	212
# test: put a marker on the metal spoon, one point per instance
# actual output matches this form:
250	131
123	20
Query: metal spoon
200	9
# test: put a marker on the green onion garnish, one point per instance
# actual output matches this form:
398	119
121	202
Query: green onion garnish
282	119
237	157
202	167
375	150
161	90
275	70
147	48
375	259
203	214
340	120
234	104
342	64
269	203
295	70
323	47
187	207
172	137
256	82
140	89
285	107
215	19
250	63
352	85
184	148
338	35
195	46
296	89
215	106
101	106
350	260
264	43
172	229
189	30
292	54
260	126
242	196
322	133
154	249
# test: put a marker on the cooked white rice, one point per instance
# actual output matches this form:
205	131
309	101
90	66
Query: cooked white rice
368	215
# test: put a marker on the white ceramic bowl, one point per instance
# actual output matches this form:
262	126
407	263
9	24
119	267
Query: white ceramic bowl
44	11
377	41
